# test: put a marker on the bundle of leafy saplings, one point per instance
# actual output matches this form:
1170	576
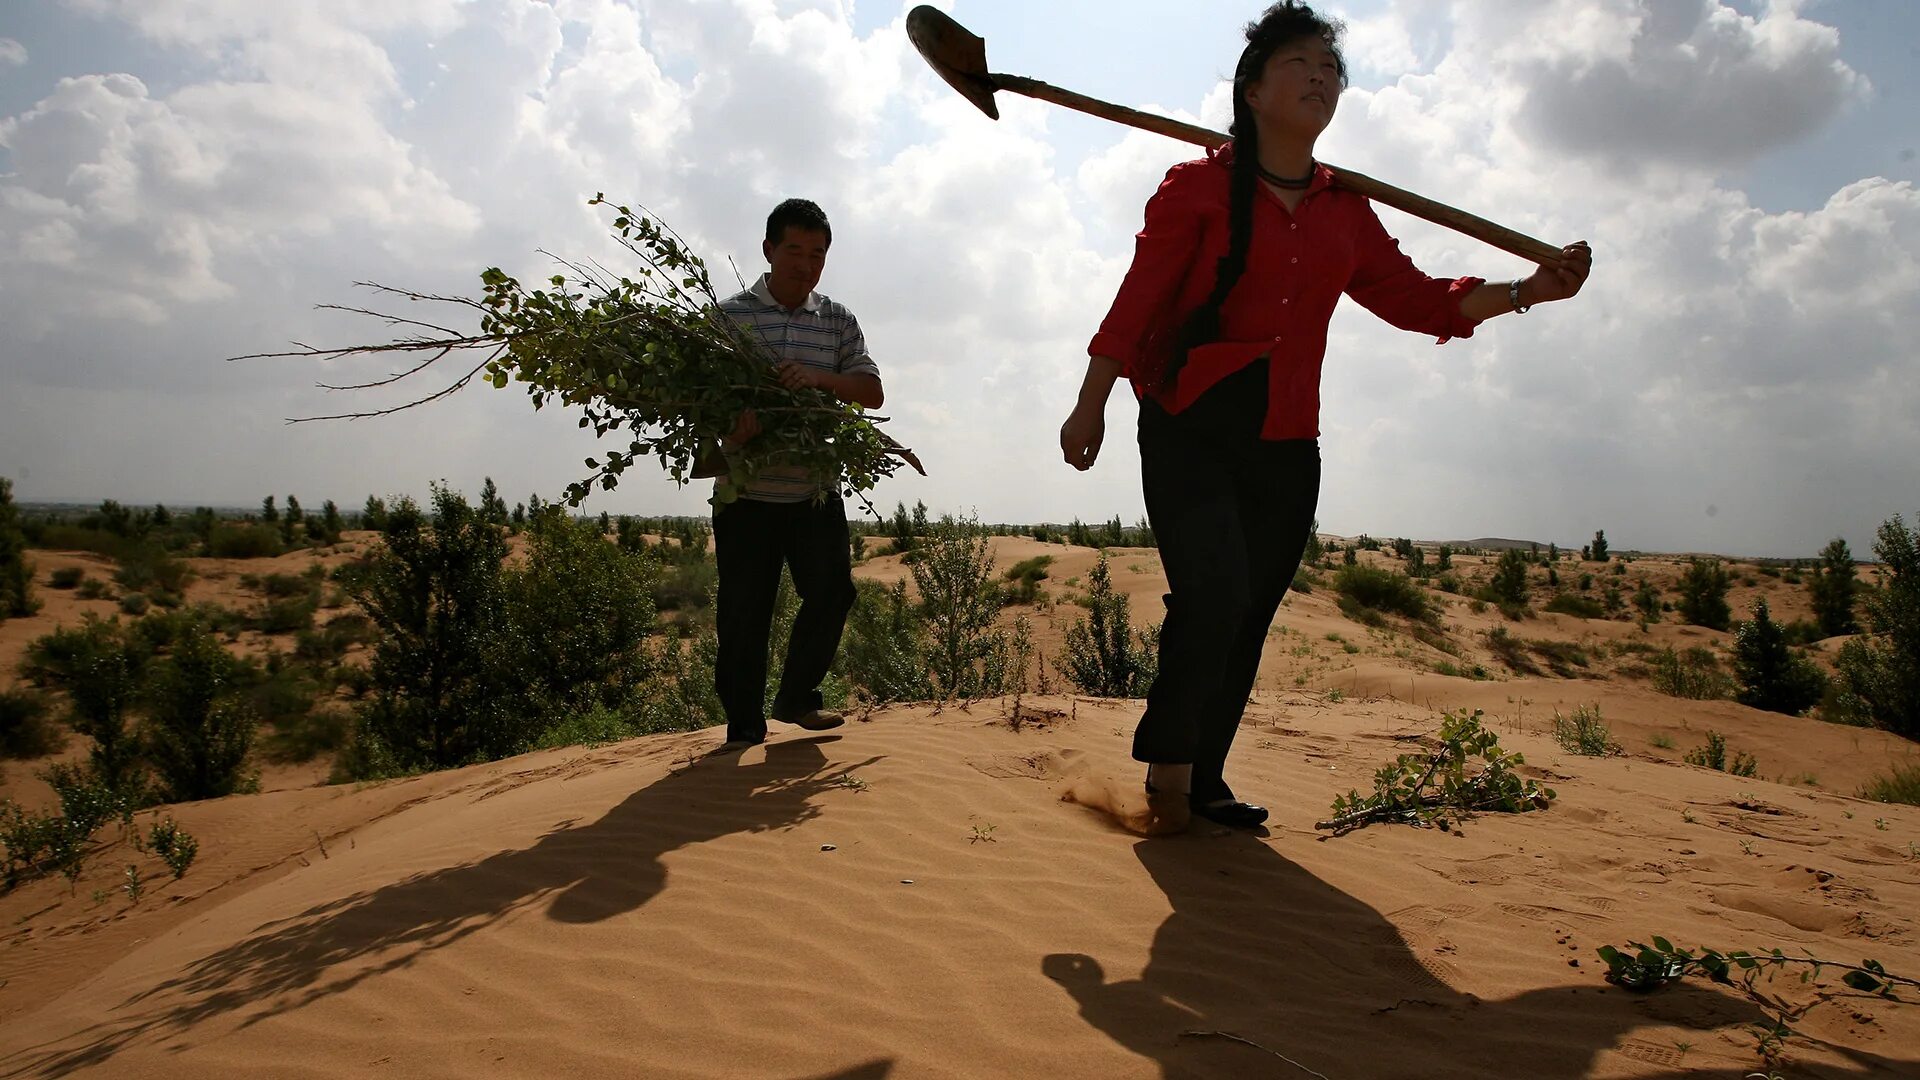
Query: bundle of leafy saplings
649	354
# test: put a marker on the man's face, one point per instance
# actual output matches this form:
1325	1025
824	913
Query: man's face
797	260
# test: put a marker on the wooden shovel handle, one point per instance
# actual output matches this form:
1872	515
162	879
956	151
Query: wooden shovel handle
1508	240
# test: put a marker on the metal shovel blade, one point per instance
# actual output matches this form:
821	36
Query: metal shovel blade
955	54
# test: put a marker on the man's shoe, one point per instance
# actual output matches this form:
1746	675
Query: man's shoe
813	719
1232	813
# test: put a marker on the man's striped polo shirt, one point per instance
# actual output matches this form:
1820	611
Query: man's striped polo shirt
819	333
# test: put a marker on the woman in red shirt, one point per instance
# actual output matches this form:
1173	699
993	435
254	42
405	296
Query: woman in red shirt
1221	325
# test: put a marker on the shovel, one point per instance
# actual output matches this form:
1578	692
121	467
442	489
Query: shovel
960	57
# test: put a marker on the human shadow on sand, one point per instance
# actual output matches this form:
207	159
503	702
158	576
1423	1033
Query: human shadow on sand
1258	948
582	873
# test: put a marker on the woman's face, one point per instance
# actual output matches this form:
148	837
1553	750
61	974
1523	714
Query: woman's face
1298	89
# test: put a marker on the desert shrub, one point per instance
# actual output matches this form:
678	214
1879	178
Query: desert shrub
1023	580
301	739
27	727
1509	584
1881	671
1561	657
1580	606
954	576
1833	589
580	609
285	616
436	592
135	604
198	729
1104	655
1902	785
16	577
244	540
1584	732
1771	675
94	589
1713	755
1694	674
1703	594
149	568
67	577
1469	671
175	846
32	844
100	666
1374	589
684	584
281	585
1511	651
884	650
1439	787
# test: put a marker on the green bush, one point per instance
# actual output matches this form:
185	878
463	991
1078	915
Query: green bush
286	616
1104	655
175	846
1771	675
149	568
1713	755
581	610
966	656
287	585
1881	671
101	666
1378	590
244	540
27	728
303	738
1833	589
1902	785
1509	585
1703	594
1511	651
437	593
1584	732
16	577
1694	674
1023	580
198	729
1580	606
685	585
884	650
134	604
67	577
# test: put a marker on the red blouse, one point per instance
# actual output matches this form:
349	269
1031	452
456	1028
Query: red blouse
1297	267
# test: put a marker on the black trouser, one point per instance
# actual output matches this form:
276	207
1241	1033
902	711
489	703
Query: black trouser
751	540
1231	512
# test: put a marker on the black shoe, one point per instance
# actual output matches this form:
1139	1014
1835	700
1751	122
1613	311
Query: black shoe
1231	812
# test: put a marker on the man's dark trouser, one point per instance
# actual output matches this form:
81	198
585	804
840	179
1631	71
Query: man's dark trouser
1231	513
751	540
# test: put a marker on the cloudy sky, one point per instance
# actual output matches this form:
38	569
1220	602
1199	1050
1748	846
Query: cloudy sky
183	180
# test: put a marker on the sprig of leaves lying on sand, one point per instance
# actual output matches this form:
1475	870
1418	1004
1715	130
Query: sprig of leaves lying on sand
1644	968
650	353
1443	785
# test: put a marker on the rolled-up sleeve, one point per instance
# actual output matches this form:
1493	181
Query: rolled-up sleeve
1387	283
1161	252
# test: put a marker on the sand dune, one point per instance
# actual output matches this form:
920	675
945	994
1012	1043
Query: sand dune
910	898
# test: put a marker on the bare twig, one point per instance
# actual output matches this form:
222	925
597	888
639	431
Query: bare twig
1249	1042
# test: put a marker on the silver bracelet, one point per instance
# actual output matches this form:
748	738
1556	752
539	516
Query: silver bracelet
1513	297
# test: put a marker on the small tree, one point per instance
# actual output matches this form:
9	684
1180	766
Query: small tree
954	575
198	732
101	671
884	652
16	580
1445	562
1772	676
1882	672
1833	587
493	508
1105	655
1510	577
1315	551
1599	545
1703	594
268	513
295	519
330	523
436	593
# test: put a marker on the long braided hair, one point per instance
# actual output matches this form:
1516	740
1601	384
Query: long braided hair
1279	24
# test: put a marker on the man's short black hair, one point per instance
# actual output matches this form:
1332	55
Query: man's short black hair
801	214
